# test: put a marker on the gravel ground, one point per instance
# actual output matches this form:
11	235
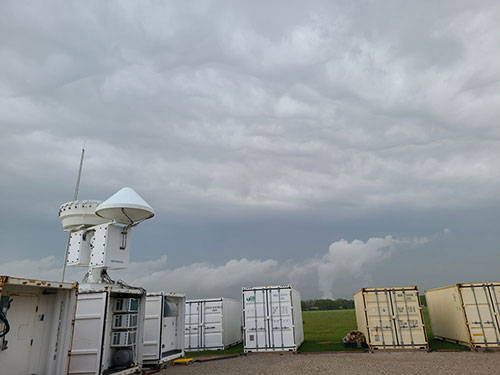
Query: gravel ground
346	363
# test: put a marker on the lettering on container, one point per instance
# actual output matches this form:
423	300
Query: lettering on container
284	310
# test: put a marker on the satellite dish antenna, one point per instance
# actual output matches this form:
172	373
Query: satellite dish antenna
125	207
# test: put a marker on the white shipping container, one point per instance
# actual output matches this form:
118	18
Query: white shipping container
212	324
163	327
272	318
98	347
466	314
40	315
391	318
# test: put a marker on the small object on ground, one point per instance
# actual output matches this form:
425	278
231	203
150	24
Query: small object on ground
216	358
355	339
182	361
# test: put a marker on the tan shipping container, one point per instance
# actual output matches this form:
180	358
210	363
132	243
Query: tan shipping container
391	318
466	314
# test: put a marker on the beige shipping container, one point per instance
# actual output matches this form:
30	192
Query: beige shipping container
391	318
466	313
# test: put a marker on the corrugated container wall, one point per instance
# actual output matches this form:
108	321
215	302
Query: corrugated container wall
391	318
466	313
212	324
41	316
164	327
109	330
272	319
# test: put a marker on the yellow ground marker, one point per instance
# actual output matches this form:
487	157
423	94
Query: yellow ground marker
182	361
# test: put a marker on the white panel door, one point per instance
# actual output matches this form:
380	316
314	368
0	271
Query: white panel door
171	342
87	339
212	325
192	337
268	320
16	359
281	320
152	328
203	325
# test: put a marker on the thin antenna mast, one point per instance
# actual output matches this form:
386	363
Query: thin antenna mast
75	197
77	187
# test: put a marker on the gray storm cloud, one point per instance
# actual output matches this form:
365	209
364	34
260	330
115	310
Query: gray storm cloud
258	130
203	280
326	107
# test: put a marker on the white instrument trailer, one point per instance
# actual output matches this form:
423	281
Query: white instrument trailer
272	319
212	324
109	330
36	326
163	328
109	323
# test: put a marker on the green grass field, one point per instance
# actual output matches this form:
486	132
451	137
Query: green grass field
324	330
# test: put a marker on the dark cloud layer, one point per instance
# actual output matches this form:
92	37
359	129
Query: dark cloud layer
257	130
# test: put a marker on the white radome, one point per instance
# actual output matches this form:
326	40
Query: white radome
125	207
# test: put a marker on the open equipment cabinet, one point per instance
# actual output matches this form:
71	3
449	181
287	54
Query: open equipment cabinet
163	328
391	318
109	329
39	317
467	314
272	319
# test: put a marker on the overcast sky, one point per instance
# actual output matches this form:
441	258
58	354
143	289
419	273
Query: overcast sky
331	145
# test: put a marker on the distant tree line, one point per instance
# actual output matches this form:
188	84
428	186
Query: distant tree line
327	304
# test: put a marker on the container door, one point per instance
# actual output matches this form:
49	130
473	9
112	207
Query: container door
381	327
152	328
408	318
256	322
88	335
170	339
495	299
16	358
193	325
281	319
212	325
480	310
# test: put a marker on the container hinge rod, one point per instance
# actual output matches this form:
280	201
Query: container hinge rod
408	318
486	294
397	316
479	315
380	319
496	306
255	313
390	321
